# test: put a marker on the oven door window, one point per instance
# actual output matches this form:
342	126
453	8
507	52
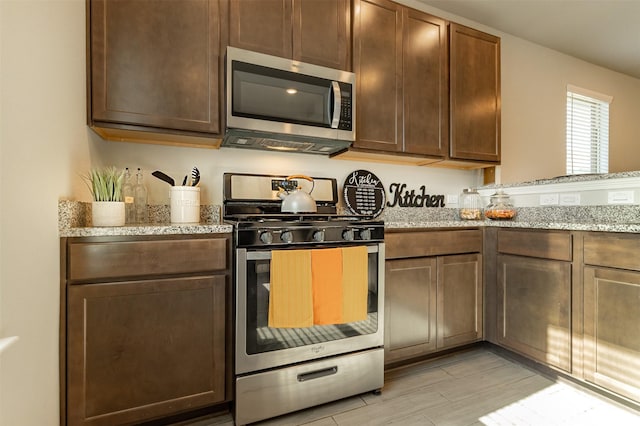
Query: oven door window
262	338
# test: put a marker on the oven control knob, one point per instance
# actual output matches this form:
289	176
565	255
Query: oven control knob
318	236
286	237
266	237
347	235
365	234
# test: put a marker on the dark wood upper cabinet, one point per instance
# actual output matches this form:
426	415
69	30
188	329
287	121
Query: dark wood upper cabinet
312	31
377	59
400	58
425	84
155	65
322	32
475	95
261	26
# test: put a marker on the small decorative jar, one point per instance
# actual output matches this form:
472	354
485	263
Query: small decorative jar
501	207
470	205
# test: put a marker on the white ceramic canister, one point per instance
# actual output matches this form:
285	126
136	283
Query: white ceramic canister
185	204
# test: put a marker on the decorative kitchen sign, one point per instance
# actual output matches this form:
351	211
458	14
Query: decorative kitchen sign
364	193
405	198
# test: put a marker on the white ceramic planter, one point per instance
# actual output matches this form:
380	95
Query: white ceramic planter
107	213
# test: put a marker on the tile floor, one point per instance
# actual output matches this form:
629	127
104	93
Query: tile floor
471	388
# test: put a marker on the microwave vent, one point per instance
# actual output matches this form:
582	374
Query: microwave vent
285	145
276	142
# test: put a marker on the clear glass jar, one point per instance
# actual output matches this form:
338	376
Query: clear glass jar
470	205
501	207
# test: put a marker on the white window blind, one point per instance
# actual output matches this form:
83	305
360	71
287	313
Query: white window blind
587	131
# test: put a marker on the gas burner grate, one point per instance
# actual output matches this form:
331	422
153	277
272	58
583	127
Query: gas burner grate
296	217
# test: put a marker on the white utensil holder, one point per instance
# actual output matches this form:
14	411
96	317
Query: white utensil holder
185	204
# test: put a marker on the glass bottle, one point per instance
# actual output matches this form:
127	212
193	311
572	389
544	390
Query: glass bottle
127	197
501	207
140	199
470	205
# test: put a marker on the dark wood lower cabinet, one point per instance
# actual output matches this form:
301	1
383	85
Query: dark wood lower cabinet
433	295
145	349
140	345
410	308
460	300
612	330
534	308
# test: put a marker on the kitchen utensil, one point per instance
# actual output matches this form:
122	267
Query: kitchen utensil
164	177
184	181
297	200
195	176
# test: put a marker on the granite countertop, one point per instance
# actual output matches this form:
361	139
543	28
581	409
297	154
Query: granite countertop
74	220
147	229
567	226
624	218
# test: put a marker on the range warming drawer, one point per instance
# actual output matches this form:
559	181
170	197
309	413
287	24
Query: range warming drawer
272	393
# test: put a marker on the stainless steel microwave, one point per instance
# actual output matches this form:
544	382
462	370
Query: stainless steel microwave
280	104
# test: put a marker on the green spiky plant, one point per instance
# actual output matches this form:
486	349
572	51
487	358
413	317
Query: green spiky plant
105	184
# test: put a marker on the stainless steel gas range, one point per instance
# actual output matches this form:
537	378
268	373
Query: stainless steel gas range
280	369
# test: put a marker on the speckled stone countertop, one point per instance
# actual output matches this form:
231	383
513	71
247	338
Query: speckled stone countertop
74	220
570	178
571	218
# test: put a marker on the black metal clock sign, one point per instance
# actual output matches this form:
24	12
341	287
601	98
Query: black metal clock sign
364	194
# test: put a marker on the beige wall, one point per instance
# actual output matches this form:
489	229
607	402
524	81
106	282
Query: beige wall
43	141
45	144
534	81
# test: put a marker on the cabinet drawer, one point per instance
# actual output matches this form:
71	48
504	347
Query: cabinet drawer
113	259
432	243
542	244
612	250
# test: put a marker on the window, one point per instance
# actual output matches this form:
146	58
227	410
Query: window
587	131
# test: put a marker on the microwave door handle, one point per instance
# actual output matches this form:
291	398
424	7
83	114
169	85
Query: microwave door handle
337	101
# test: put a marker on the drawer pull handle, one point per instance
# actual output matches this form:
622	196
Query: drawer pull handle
317	374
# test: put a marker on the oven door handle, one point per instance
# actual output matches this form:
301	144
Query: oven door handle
266	254
317	374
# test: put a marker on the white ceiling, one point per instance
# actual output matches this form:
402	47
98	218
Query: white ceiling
603	32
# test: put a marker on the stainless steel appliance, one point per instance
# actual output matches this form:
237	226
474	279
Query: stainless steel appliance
279	104
279	370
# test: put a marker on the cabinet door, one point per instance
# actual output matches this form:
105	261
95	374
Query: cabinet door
611	330
156	64
475	95
261	26
459	300
534	308
425	84
377	62
138	350
410	308
322	33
